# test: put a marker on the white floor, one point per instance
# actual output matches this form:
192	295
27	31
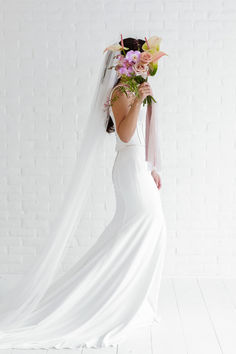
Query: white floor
198	317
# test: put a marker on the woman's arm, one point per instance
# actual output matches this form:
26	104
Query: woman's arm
125	116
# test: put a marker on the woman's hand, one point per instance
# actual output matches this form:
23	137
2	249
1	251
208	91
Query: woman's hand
156	178
144	90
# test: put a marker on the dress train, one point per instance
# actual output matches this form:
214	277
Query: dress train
114	288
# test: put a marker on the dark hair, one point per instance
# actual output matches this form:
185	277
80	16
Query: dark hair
132	44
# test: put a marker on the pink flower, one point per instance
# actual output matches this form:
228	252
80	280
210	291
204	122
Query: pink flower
146	58
141	69
157	56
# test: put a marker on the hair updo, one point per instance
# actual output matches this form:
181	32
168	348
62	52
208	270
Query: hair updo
132	44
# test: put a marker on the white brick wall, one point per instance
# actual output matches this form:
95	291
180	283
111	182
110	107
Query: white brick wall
47	71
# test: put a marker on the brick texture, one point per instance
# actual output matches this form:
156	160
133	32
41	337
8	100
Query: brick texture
48	63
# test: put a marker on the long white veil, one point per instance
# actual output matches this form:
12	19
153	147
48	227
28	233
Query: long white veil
17	304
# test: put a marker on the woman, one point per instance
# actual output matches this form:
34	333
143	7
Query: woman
121	107
113	289
138	205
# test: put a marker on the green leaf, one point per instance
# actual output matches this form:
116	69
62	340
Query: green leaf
153	68
139	79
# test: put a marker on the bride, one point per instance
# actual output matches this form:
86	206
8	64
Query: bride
114	288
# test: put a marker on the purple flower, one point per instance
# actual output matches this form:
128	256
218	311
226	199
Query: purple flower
125	68
130	70
132	56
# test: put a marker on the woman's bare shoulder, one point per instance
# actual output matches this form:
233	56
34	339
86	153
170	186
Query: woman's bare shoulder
118	92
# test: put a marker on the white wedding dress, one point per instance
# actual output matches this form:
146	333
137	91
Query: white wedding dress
113	289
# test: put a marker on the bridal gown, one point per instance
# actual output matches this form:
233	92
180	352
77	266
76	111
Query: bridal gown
114	288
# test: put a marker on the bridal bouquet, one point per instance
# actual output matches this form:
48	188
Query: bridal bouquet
134	67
